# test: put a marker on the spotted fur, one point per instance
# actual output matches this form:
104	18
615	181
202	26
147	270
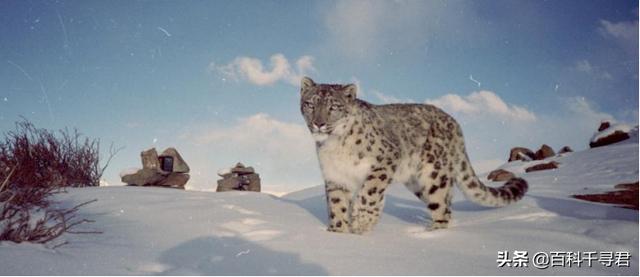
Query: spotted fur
362	148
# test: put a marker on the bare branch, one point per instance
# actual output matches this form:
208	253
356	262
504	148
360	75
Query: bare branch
6	180
112	153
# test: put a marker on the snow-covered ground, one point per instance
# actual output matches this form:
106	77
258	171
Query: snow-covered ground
149	231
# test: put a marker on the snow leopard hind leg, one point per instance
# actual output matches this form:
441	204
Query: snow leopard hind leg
434	189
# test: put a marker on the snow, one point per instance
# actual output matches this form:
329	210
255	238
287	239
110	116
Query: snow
224	171
156	231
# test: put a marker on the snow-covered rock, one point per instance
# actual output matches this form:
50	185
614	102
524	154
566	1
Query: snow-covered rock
544	152
104	183
224	171
521	154
542	166
609	133
500	175
565	149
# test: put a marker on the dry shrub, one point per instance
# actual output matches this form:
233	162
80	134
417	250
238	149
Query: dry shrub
42	158
34	164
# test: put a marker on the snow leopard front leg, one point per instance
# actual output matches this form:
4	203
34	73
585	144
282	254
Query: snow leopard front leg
369	201
338	202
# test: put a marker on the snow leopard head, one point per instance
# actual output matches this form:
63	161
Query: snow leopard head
325	106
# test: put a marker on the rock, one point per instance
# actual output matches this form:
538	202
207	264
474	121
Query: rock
627	186
616	136
521	154
226	175
227	184
166	170
246	182
542	166
609	133
150	159
544	152
242	170
170	156
604	125
500	175
239	178
144	177
626	196
224	172
250	182
565	149
150	177
174	180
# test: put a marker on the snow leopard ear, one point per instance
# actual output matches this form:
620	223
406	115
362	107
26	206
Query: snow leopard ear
306	83
350	91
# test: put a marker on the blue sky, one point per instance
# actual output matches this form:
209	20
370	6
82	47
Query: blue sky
218	79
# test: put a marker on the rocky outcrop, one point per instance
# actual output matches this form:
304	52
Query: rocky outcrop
521	154
240	178
542	166
614	137
609	134
544	152
625	195
175	180
565	149
499	175
150	159
171	161
166	170
525	154
143	177
604	125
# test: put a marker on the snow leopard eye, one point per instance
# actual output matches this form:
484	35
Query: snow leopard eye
334	108
308	105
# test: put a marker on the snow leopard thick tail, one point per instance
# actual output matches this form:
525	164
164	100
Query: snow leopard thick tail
512	191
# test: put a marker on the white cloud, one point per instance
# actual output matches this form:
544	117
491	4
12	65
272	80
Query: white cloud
282	153
625	33
625	30
360	29
353	24
257	130
582	107
630	116
384	98
586	67
252	70
482	102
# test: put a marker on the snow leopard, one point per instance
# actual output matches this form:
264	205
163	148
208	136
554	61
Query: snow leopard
362	148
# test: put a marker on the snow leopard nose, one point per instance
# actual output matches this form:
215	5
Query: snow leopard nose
319	125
